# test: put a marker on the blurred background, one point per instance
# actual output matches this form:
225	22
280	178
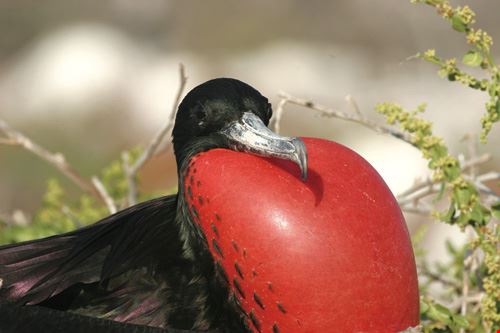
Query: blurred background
91	79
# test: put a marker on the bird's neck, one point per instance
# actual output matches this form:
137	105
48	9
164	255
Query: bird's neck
187	151
195	245
219	306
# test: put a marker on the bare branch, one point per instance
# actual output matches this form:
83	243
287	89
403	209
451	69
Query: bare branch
491	196
416	210
276	121
493	175
8	142
417	186
17	217
153	145
471	299
467	268
469	254
418	194
132	186
104	194
72	216
472	152
131	170
55	159
429	186
330	113
475	161
437	277
352	102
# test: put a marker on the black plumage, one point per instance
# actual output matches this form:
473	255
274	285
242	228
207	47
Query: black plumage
29	319
148	264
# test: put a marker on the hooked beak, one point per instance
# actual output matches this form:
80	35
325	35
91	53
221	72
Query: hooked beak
249	134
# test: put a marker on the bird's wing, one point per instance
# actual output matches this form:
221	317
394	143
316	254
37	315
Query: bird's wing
100	260
28	319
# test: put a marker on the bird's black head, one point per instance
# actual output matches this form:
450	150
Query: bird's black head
212	105
228	113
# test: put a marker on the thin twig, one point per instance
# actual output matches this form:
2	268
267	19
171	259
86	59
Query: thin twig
131	170
492	175
416	210
415	197
469	254
418	185
465	274
8	142
428	185
153	145
276	121
55	159
436	277
475	161
352	102
110	204
491	195
330	113
471	299
472	151
72	216
17	217
132	186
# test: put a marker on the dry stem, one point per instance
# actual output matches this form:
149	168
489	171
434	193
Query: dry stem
427	186
104	194
357	117
131	170
57	160
153	145
276	121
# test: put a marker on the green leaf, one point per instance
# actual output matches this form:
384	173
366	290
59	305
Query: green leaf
463	196
452	171
440	313
449	215
463	218
478	215
460	321
440	194
495	210
423	306
472	58
450	248
458	24
438	151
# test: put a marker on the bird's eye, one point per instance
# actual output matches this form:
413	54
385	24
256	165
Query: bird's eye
199	113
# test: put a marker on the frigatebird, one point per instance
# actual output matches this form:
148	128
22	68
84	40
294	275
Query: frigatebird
150	264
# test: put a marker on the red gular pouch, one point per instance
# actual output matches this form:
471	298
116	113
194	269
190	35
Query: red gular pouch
331	254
